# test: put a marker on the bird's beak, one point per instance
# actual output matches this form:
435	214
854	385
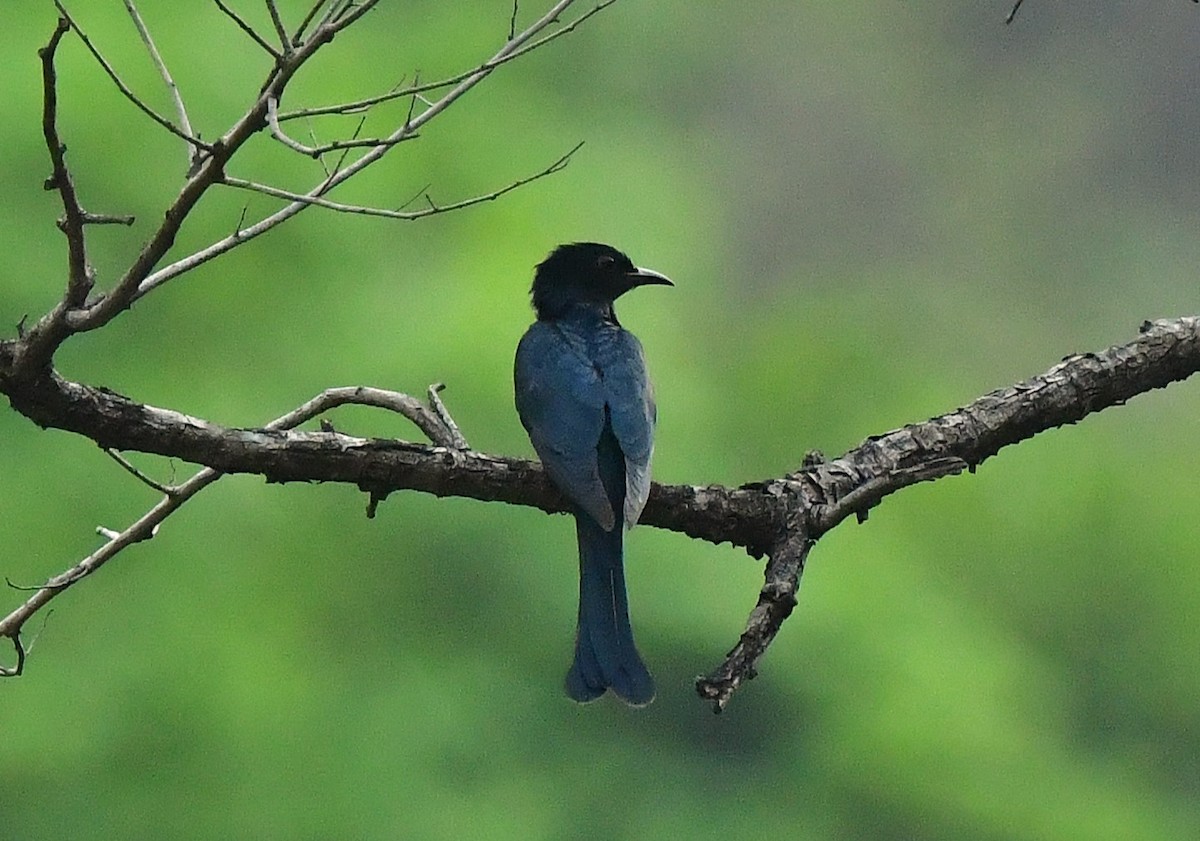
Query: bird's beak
647	277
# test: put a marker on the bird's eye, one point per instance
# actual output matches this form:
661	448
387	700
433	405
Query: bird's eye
605	262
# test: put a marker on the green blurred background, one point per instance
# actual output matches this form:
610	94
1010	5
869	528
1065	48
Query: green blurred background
874	212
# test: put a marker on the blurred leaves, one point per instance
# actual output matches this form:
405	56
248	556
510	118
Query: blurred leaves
873	213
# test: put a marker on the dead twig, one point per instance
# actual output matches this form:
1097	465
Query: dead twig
181	114
406	215
146	526
125	90
501	58
249	30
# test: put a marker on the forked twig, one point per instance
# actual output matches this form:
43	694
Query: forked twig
280	31
407	215
180	110
414	89
125	89
429	421
248	29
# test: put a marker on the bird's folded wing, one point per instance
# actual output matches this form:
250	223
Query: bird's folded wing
560	399
630	399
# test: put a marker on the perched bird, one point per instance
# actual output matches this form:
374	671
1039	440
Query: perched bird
586	402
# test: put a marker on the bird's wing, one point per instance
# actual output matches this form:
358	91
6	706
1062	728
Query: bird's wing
630	399
560	399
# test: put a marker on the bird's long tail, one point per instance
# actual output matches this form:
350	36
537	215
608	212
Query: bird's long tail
605	655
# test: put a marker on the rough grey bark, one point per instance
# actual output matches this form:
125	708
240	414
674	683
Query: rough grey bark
782	518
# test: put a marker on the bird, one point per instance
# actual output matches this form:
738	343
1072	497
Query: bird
584	397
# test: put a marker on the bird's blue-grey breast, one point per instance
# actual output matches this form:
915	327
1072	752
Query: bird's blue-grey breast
584	397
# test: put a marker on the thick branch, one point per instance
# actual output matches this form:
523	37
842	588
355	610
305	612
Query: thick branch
433	420
783	517
1165	351
823	494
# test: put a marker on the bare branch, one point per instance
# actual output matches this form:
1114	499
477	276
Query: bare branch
249	30
139	475
141	278
414	89
781	517
79	281
280	31
827	492
146	526
18	668
435	401
142	529
180	110
406	215
308	18
354	142
123	88
48	332
776	600
208	173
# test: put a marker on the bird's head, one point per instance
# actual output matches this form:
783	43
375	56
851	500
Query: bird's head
586	273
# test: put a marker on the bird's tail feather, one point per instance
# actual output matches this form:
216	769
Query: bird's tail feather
605	654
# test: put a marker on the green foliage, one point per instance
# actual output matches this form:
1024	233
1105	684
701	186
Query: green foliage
873	214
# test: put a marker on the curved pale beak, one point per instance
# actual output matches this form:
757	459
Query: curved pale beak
647	277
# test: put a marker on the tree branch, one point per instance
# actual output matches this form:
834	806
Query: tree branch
407	215
488	66
249	30
783	518
434	421
125	90
141	278
181	114
79	280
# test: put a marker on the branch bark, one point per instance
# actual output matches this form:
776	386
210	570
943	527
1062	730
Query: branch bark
783	518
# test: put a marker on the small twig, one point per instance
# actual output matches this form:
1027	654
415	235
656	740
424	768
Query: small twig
501	58
340	13
15	670
435	400
180	110
315	199
346	13
248	29
512	20
123	88
315	152
424	191
362	121
140	280
146	526
1013	13
280	30
108	218
125	463
312	12
79	282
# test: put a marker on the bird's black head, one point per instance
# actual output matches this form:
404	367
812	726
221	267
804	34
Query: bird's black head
586	273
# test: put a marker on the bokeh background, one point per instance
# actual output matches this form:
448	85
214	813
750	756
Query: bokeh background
874	213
